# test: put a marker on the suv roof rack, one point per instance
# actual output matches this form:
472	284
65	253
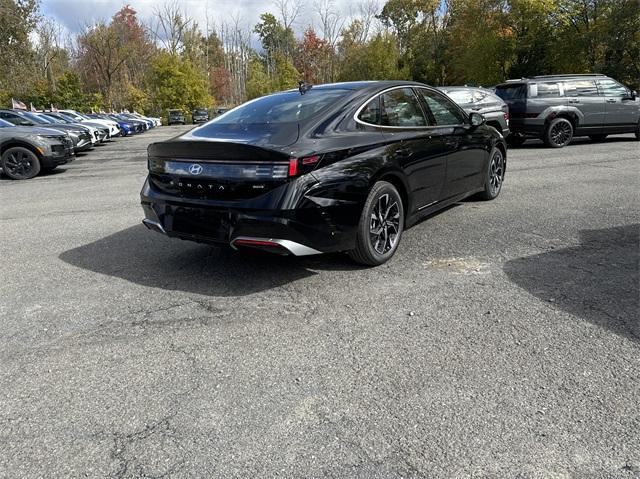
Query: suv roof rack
568	75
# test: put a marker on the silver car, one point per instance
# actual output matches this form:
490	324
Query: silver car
483	101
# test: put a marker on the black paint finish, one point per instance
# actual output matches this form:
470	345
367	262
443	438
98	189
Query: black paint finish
241	184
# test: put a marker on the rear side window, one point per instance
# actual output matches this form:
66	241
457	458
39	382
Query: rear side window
444	112
512	92
400	107
612	88
545	90
370	113
580	88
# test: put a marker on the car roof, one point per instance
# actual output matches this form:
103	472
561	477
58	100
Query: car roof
574	76
362	85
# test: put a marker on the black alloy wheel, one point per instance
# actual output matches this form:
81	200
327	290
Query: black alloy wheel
380	227
495	176
559	133
20	163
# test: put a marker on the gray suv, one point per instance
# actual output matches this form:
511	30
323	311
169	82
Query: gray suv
483	101
26	151
555	108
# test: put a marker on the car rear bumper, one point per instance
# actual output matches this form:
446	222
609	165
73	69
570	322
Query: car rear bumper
305	228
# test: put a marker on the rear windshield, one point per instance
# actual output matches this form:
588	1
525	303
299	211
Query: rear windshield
461	97
285	107
512	92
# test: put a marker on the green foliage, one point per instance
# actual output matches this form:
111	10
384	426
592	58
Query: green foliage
17	57
175	83
258	81
379	59
69	92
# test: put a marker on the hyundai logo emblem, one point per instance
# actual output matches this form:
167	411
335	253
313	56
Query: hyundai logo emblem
195	169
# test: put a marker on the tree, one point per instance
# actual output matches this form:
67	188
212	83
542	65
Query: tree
314	58
175	83
69	92
18	19
170	26
379	59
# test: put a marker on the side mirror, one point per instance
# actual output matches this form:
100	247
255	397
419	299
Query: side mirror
476	119
634	95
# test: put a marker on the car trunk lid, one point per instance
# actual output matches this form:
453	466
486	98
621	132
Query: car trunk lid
216	170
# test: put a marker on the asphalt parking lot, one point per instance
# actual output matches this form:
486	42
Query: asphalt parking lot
502	341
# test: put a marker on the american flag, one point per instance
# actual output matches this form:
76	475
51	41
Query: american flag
18	105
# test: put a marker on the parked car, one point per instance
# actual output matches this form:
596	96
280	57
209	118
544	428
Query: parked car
125	128
483	101
148	123
155	121
110	125
337	167
99	133
221	111
176	117
199	115
78	133
26	151
137	126
556	108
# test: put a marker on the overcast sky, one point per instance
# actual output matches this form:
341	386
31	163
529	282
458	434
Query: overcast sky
74	14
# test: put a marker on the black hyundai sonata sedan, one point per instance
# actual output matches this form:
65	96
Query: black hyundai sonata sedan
336	167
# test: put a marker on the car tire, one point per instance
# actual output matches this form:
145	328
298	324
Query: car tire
380	226
515	140
494	177
559	133
598	137
20	163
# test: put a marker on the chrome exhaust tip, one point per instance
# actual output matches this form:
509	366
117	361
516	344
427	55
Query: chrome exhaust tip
154	226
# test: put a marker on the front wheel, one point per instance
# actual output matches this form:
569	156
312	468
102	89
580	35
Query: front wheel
19	163
380	226
494	176
559	133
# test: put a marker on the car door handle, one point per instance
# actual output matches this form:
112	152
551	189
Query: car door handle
611	100
574	101
477	108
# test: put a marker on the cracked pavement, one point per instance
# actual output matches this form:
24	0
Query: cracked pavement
501	341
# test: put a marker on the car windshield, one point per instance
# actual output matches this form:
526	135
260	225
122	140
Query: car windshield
285	107
200	112
5	124
35	118
68	118
512	92
45	118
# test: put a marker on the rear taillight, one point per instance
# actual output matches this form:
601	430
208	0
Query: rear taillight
300	166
